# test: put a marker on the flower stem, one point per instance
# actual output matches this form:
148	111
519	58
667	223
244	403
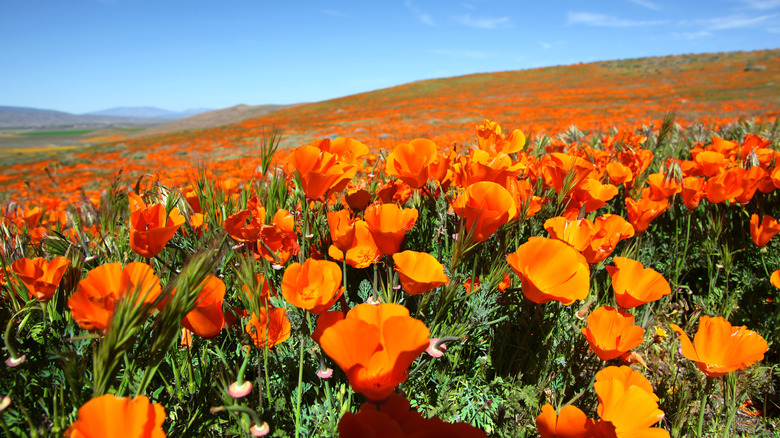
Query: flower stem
704	397
300	390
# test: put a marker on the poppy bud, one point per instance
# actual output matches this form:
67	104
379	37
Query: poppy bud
260	430
237	391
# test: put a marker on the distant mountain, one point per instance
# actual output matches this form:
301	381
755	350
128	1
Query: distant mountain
21	117
147	112
210	119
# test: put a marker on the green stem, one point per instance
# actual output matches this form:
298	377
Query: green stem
265	360
7	336
732	404
240	377
238	408
704	397
300	389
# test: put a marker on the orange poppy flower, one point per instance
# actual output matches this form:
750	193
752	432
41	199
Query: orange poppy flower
419	272
245	226
357	198
362	253
710	163
775	279
490	139
764	232
151	229
593	194
347	150
634	284
627	376
619	174
409	161
611	332
485	206
577	233
627	409
92	305
374	345
751	179
726	185
315	285
206	319
564	172
480	165
118	417
191	196
388	224
320	171
693	191
278	241
395	418
640	213
270	328
41	278
662	186
609	229
342	229
550	270
718	348
570	422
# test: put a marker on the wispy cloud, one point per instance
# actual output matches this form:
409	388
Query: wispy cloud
419	14
762	5
601	20
546	45
335	13
484	22
472	54
646	4
735	21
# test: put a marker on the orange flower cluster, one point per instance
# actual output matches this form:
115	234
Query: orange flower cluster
276	242
627	407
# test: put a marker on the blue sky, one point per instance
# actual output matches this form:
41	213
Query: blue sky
87	55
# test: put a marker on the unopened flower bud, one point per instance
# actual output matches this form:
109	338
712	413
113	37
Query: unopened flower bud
237	391
15	361
325	373
260	430
435	351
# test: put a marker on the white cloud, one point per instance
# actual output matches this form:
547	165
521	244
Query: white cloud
421	16
602	20
546	45
484	22
762	5
646	4
735	21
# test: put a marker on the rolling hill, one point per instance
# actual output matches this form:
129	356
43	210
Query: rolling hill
712	88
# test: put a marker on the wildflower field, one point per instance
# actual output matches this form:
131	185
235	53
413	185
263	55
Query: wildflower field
580	251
